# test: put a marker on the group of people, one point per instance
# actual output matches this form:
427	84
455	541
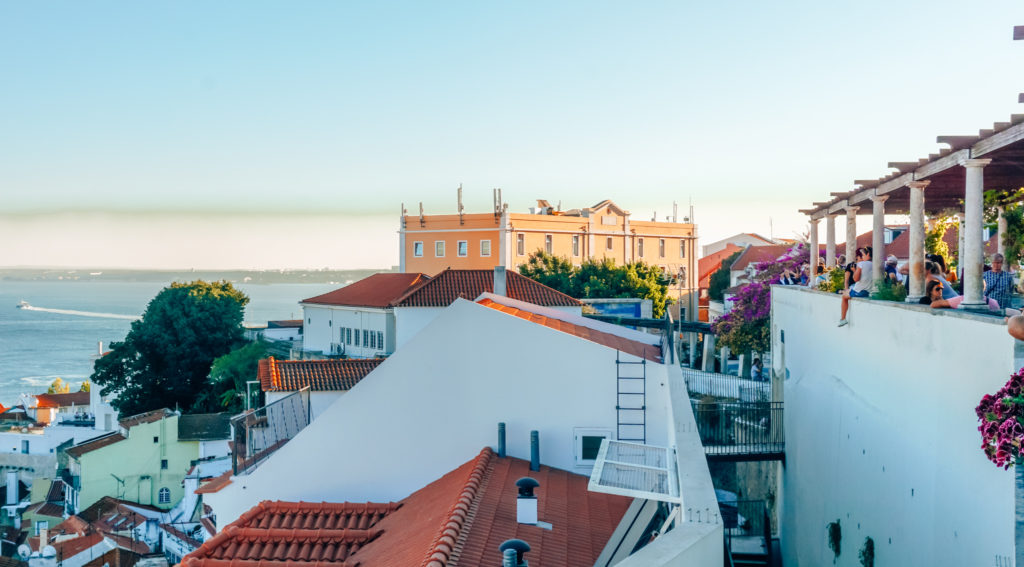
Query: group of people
939	290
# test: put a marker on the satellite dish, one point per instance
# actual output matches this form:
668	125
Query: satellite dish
24	551
49	551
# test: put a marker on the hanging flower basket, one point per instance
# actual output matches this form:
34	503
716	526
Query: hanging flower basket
1002	423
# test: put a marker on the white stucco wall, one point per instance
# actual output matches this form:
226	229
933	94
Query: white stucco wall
318	401
322	325
881	432
437	401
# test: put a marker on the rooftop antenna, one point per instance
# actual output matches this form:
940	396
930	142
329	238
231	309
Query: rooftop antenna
771	230
675	212
404	212
423	221
559	205
460	204
691	211
655	217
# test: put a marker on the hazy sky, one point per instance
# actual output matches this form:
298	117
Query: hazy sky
250	134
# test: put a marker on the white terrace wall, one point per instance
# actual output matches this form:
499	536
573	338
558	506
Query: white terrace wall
881	432
436	402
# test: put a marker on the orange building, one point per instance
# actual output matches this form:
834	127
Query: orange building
431	243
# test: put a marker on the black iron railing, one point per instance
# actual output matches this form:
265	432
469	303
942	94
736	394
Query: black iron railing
741	430
258	433
748	528
701	384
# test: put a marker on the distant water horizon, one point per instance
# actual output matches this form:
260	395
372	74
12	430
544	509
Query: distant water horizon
60	336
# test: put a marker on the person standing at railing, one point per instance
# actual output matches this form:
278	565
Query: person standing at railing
756	370
998	284
859	281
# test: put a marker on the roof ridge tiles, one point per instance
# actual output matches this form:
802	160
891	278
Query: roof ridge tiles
454	523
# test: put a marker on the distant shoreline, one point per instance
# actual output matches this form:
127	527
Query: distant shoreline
161	276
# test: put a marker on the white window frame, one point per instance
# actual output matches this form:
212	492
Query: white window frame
43	523
160	495
549	244
520	244
575	245
640	247
578	433
661	247
462	248
417	249
485	253
441	255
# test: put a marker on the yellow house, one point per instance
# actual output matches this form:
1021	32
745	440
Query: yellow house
431	243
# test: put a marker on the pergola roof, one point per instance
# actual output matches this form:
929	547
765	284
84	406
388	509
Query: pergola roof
1003	143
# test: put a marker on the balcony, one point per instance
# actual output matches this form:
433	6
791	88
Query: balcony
261	432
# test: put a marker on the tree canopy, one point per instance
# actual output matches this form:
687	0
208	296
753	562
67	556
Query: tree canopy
58	387
228	377
720	278
165	359
600	278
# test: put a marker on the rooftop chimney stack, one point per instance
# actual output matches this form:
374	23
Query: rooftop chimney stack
500	281
44	537
534	450
518	547
501	439
526	501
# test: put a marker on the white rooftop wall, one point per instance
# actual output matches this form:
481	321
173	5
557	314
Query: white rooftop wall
881	432
437	401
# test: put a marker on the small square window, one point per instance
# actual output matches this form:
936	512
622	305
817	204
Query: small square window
163	464
588	444
520	244
439	249
417	249
156	439
462	248
485	248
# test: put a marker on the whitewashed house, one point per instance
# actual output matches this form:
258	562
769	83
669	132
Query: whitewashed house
357	320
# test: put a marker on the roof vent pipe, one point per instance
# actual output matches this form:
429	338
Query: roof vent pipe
526	501
500	287
518	547
509	558
501	439
534	451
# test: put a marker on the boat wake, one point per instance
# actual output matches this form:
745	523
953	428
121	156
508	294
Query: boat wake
80	313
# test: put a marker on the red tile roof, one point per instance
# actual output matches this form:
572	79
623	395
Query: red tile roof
319	375
279	533
193	542
62	400
47	509
216	484
148	417
378	290
105	504
72	525
451	284
69	548
900	246
636	348
460	519
94	444
754	255
712	262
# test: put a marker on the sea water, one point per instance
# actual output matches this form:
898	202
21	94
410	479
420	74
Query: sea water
37	346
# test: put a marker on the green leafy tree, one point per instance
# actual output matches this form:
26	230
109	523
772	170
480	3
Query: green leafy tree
165	359
553	271
1013	240
228	377
721	278
933	240
58	387
85	387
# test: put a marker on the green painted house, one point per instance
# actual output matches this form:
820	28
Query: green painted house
143	461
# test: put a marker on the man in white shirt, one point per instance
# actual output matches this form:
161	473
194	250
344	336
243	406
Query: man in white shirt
860	275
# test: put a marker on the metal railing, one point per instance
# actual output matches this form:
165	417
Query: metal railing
748	528
258	433
700	383
741	430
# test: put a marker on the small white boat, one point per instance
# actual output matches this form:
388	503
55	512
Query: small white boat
23	304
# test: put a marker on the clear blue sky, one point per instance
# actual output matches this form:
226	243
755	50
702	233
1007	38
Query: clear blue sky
239	113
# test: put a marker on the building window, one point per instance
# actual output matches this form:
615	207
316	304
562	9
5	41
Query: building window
520	244
156	439
661	248
588	443
575	245
24	447
439	249
485	248
640	247
163	464
42	525
462	248
348	336
610	244
417	249
547	243
366	338
164	496
380	340
373	340
682	248
357	337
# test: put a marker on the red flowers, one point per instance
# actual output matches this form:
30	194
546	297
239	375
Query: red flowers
1002	423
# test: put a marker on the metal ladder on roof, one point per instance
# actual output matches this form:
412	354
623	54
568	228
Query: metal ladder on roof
631	400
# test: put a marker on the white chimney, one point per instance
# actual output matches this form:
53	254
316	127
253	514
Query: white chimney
44	537
12	488
526	502
499	281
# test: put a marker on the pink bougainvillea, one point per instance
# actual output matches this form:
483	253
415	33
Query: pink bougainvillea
1002	423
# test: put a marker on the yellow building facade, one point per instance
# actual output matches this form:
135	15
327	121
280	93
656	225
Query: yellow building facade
431	243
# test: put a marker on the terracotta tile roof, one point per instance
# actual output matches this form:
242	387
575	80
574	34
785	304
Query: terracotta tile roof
319	375
72	547
636	348
712	262
215	485
62	400
280	533
106	504
378	290
148	417
451	284
754	255
94	444
47	509
72	525
133	545
208	525
181	535
56	491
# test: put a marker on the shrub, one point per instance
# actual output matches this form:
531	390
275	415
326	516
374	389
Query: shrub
888	290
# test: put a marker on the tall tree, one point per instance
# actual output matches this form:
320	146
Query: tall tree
165	359
228	376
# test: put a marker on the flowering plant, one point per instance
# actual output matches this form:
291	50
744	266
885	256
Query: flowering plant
1002	423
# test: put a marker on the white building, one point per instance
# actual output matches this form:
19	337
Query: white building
742	240
357	320
327	380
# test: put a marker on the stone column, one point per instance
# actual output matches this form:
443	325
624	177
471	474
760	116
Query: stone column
851	234
1001	231
813	249
916	290
973	246
830	241
960	245
878	237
